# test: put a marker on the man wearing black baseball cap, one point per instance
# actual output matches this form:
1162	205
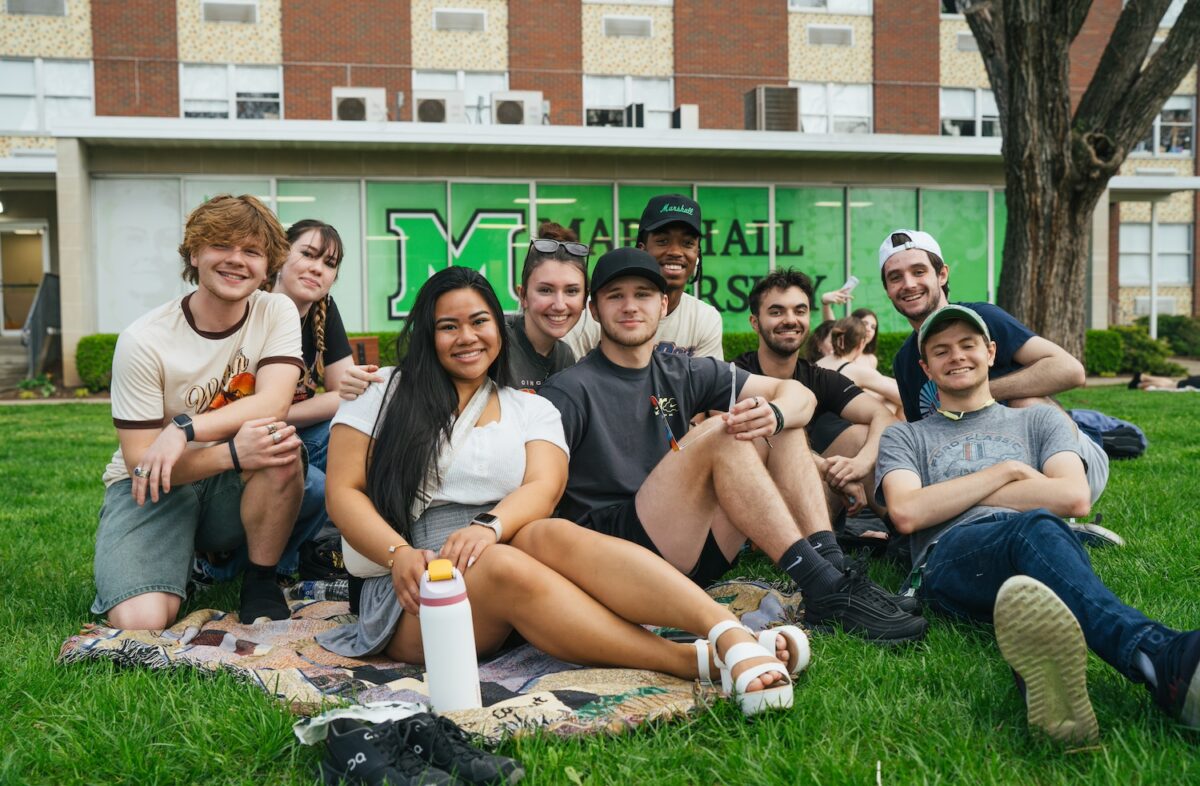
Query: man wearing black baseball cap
696	497
670	231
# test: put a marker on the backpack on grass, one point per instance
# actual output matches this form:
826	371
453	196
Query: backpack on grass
1119	438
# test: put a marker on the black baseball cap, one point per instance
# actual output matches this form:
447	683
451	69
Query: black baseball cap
670	209
626	261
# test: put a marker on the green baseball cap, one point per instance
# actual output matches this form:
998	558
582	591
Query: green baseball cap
947	313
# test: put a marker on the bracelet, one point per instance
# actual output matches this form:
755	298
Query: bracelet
778	418
237	465
393	549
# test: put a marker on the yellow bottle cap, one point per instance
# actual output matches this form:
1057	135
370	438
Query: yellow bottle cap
441	570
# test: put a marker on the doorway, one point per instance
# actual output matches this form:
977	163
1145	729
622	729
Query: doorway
24	259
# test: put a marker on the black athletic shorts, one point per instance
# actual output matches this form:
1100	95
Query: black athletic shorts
621	521
824	429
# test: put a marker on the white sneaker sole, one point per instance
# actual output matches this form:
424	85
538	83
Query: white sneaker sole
1041	639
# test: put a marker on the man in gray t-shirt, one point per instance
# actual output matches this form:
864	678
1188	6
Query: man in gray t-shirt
981	488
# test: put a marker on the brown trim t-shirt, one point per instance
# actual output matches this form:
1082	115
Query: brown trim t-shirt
165	366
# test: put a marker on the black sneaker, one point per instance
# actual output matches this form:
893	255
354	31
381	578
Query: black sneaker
906	603
860	606
358	752
443	744
1178	669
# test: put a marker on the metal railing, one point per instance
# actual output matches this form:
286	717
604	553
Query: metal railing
43	326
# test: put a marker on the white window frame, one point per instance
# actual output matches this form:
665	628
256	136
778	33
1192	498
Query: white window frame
231	69
247	3
830	115
628	94
1156	136
8	10
39	95
795	7
979	115
1141	257
460	80
604	22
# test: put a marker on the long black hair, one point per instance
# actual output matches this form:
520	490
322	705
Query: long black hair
420	400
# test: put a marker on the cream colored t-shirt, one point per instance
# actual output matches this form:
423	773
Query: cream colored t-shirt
694	328
164	365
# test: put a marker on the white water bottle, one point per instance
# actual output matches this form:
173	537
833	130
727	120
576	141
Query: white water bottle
451	669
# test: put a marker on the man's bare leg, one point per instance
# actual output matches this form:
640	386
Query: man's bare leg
270	502
848	444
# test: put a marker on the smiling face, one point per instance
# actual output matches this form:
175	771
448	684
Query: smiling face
783	319
628	310
553	298
466	334
310	269
872	326
913	286
957	357
230	272
676	248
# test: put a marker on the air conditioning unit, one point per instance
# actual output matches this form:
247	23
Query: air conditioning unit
439	106
517	107
686	116
773	108
1141	305
360	104
635	116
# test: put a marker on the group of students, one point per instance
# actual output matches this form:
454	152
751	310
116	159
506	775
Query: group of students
634	476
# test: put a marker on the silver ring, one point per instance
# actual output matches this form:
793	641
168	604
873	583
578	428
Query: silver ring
272	428
140	472
276	437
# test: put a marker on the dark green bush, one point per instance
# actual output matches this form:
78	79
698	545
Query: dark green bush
1103	352
1180	332
94	359
1145	354
886	347
735	344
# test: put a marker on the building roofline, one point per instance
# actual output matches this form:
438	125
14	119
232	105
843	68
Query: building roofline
1149	188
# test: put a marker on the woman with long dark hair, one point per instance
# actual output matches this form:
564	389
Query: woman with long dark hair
445	459
870	320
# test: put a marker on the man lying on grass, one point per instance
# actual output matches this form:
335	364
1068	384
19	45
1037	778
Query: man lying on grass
981	488
200	387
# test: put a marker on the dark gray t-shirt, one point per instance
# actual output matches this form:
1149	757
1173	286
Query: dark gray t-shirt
527	368
613	432
938	448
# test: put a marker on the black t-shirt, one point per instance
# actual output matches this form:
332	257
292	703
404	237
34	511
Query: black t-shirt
527	368
832	390
337	346
614	433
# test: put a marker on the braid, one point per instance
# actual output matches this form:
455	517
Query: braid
319	336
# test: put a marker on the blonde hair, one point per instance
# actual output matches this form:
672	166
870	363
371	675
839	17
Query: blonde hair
229	219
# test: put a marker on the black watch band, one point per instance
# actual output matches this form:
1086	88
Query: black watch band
185	423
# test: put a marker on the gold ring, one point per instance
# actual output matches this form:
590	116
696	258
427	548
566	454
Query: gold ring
272	428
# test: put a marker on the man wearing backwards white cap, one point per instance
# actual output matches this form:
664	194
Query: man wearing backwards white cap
1027	369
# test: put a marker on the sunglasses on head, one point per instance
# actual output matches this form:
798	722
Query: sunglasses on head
548	246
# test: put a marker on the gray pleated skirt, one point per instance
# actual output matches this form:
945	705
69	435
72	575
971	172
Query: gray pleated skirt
378	609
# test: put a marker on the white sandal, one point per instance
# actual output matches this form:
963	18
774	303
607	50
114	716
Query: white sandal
777	697
798	650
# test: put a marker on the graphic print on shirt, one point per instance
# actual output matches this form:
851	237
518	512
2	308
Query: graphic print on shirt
974	452
235	383
671	348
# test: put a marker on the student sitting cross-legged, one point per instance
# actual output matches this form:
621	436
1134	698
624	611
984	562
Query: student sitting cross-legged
445	459
982	489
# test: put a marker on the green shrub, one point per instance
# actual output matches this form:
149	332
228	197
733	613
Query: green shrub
1103	352
886	347
1145	354
94	359
41	384
735	344
1180	332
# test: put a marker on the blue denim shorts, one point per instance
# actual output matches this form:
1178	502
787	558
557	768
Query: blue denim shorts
150	548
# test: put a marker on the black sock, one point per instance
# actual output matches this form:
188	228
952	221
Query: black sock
825	543
261	595
813	574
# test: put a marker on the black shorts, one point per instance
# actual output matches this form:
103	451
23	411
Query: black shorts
621	521
824	429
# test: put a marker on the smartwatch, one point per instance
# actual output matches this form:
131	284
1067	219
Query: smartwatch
491	522
184	422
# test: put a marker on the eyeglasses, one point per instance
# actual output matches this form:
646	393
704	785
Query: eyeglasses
548	246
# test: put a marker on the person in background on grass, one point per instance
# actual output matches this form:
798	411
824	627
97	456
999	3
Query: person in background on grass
848	337
552	293
670	230
445	459
846	425
869	318
200	393
1028	368
982	489
1142	381
745	475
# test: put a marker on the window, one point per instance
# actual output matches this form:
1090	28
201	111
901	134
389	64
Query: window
38	7
950	7
969	112
628	26
477	88
605	99
965	42
240	11
830	35
832	6
1173	246
37	93
462	20
1171	133
231	91
829	107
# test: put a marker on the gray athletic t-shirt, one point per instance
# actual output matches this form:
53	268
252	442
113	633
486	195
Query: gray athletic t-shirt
615	436
938	448
527	368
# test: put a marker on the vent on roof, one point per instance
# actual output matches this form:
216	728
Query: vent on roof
244	11
463	20
359	104
773	108
439	106
517	107
830	35
966	42
39	7
628	26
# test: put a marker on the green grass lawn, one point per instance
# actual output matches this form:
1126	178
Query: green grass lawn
944	711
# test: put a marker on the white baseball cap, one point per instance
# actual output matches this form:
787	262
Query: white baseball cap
917	239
